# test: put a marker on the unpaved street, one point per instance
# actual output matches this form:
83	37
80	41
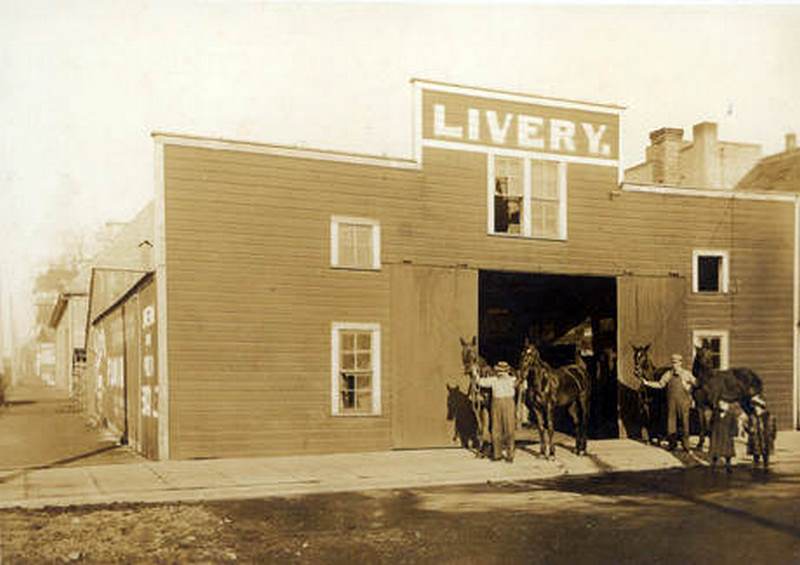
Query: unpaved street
681	516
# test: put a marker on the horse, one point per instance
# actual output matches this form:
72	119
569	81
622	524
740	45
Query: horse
480	398
548	388
652	402
737	384
702	365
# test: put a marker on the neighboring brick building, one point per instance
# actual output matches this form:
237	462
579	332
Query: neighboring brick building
704	162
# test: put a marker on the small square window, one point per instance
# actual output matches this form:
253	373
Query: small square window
710	271
355	243
717	342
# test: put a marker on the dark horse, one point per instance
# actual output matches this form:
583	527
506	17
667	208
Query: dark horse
652	402
738	384
480	398
702	367
548	388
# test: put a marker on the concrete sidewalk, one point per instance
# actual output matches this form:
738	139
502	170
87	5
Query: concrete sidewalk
219	479
148	481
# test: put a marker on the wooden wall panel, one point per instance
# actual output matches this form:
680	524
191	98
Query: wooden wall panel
131	320
431	308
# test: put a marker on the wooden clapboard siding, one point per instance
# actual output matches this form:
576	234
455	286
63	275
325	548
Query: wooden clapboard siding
762	276
251	299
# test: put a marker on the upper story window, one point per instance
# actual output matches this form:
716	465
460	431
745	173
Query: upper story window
717	342
356	369
709	271
528	197
355	243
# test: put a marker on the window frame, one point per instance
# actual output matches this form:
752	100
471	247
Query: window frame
376	242
375	355
724	286
526	222
724	343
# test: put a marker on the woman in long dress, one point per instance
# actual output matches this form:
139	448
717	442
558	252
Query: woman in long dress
723	430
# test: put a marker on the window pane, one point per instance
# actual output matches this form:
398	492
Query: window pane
348	340
507	214
364	381
355	245
715	345
348	381
708	273
544	179
364	401
364	341
346	245
348	399
363	246
363	360
348	361
545	219
508	171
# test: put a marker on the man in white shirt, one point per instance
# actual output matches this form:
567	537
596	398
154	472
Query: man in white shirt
503	386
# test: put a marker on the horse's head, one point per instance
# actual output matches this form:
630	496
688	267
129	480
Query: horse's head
530	359
469	356
642	366
526	358
703	363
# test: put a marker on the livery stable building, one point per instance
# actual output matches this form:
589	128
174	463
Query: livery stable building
310	301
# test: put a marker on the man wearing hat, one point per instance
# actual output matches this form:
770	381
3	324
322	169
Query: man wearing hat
679	384
503	418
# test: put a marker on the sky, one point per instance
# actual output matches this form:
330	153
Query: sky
83	84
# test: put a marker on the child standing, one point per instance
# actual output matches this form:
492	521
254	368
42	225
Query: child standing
761	432
723	430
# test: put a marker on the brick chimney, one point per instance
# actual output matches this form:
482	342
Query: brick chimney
705	151
791	142
664	152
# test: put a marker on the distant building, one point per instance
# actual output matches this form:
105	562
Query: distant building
778	173
704	162
44	339
68	319
116	388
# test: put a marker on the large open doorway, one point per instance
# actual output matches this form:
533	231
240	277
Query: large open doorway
560	314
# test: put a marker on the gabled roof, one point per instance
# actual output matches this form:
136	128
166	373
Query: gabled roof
779	173
121	264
